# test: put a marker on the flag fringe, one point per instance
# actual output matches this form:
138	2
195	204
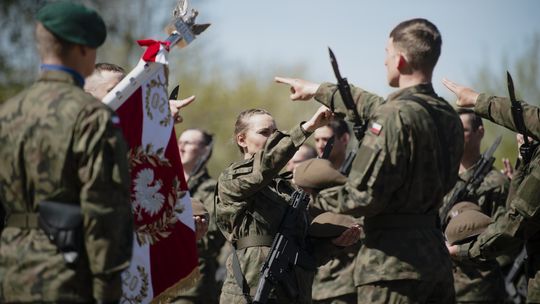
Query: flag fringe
181	286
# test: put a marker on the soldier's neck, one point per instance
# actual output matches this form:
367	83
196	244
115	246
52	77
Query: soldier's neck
468	160
413	79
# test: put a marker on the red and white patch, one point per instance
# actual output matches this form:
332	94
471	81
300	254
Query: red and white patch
376	128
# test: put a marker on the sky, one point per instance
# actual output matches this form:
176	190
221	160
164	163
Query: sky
267	35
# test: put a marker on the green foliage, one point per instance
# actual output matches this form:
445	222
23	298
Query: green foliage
525	73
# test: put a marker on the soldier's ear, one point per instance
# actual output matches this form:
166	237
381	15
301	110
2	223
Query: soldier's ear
403	64
241	140
481	131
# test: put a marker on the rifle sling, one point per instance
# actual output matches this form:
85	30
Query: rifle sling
254	241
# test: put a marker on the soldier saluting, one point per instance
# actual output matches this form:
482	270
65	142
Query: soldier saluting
64	181
407	161
521	221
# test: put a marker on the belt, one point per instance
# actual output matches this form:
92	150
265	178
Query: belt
400	221
23	220
254	241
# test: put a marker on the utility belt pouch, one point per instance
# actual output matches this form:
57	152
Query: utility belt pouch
62	223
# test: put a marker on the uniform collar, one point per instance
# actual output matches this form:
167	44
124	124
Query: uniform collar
49	69
423	88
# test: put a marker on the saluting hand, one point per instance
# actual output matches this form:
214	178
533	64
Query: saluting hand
176	105
300	89
321	118
466	96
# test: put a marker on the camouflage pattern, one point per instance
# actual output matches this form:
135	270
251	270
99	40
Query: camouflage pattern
394	176
478	282
202	186
334	280
405	291
522	220
59	143
484	281
252	199
490	195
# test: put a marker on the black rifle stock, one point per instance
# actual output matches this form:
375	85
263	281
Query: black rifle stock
285	252
483	166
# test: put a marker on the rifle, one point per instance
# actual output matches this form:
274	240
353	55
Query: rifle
514	295
286	252
359	126
483	166
526	149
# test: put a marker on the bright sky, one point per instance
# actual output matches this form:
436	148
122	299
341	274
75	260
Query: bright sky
265	34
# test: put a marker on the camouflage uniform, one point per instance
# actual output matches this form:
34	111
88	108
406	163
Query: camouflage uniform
202	187
252	199
399	178
522	220
481	282
58	143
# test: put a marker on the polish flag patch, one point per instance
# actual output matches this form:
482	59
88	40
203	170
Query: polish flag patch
375	128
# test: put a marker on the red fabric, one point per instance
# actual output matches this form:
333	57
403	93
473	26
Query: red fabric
175	256
152	49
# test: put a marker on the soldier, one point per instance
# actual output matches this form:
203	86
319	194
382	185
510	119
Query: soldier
252	198
340	131
107	75
407	161
64	180
195	146
333	282
474	282
520	222
490	197
305	152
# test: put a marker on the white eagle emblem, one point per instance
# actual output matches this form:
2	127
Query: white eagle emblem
147	192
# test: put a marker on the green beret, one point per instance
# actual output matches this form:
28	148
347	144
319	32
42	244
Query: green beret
460	207
465	225
73	23
330	225
317	174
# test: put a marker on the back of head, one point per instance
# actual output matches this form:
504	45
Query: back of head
63	24
420	40
104	78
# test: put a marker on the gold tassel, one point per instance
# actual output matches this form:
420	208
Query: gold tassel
181	286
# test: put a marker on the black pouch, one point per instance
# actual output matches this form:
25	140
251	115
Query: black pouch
62	223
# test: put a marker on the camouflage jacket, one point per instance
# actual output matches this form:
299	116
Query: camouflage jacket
252	199
398	183
58	143
484	281
522	220
201	187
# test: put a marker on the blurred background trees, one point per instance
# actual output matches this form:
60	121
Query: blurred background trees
223	88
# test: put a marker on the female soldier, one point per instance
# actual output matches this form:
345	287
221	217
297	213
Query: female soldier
252	198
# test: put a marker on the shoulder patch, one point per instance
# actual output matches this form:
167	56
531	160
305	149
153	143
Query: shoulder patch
240	168
375	128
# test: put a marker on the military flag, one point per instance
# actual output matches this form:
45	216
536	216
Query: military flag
164	251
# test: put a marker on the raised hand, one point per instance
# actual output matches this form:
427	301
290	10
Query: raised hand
466	96
176	105
321	118
300	89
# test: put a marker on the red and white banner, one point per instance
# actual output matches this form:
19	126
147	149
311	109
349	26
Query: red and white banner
164	249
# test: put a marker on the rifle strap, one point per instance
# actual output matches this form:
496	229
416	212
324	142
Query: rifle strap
239	277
